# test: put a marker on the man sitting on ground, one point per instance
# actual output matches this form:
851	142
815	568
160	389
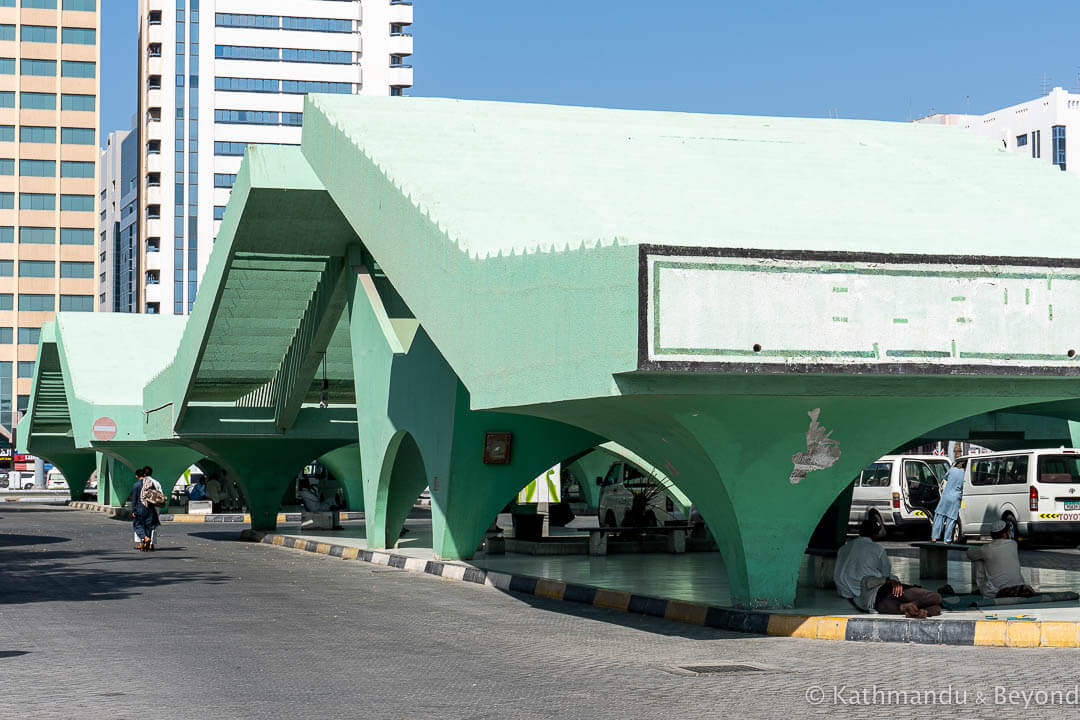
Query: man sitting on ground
864	576
997	565
312	500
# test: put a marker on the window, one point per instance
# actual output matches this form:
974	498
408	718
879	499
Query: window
40	4
247	117
38	33
1036	143
7	301
7	66
29	336
84	103
73	269
77	303
7	201
7	268
336	57
7	234
37	201
76	236
302	87
37	101
7	133
219	212
43	68
37	168
26	368
295	119
76	169
272	22
7	32
1000	471
77	136
1021	140
316	24
7	98
1059	468
6	336
223	180
229	148
37	268
877	475
246	84
37	235
7	166
1058	135
77	203
23	402
36	303
78	69
37	134
242	52
88	5
79	36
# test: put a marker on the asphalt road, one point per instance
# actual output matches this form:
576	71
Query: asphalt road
213	628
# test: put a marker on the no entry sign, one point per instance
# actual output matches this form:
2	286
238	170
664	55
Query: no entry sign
104	428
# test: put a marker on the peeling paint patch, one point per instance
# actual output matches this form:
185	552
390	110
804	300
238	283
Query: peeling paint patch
839	289
1006	296
838	318
963	320
821	450
1027	296
1050	312
959	298
899	321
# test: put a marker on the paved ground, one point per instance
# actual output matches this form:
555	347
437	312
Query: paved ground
210	628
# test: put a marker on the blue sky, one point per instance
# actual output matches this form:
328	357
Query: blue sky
884	61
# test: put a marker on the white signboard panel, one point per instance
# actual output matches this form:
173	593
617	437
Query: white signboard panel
718	309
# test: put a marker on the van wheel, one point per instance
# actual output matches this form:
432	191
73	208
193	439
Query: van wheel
1011	528
609	519
879	525
957	532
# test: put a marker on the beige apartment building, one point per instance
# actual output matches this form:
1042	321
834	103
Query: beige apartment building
49	86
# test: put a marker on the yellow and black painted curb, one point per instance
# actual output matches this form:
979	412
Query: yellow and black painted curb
871	628
228	518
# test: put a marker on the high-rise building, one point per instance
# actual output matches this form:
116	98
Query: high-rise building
118	234
216	75
48	178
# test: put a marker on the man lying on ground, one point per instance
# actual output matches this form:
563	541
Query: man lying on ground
864	577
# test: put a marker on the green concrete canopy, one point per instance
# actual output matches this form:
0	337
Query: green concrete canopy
755	307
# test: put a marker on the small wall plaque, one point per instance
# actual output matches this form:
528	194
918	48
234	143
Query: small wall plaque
497	448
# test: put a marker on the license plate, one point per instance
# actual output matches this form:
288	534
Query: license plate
1072	504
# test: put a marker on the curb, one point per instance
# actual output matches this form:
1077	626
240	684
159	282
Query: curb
981	633
109	510
113	511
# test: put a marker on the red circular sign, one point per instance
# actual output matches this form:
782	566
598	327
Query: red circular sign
104	428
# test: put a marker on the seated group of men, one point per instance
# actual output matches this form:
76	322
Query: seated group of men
863	575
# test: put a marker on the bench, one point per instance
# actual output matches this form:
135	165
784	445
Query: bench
674	534
823	566
327	520
200	507
934	557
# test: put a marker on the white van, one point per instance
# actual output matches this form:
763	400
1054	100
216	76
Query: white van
1036	492
895	490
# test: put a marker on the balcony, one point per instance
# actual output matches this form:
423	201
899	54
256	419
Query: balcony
152	261
153	82
401	76
153	227
401	44
401	13
153	98
153	164
153	196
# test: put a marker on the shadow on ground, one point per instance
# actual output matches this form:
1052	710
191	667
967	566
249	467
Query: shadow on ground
13	540
29	576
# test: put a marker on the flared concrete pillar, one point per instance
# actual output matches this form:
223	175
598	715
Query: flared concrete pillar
263	467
